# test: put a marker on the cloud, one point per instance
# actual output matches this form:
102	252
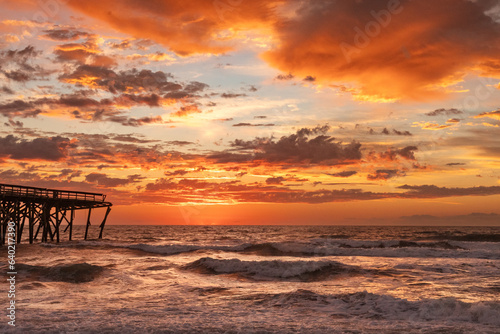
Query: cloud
295	148
86	53
275	180
6	90
351	42
385	174
344	173
407	153
249	124
178	172
444	112
490	114
131	121
133	82
198	27
186	110
433	126
51	149
19	108
285	77
20	64
231	95
339	43
394	131
431	191
65	34
106	181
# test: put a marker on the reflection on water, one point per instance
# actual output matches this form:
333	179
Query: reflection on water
263	279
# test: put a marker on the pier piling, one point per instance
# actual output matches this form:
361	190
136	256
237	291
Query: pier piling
45	210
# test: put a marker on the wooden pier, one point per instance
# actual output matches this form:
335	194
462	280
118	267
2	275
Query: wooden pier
45	211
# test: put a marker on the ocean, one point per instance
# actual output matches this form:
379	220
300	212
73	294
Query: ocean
260	279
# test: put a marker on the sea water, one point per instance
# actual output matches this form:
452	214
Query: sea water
260	279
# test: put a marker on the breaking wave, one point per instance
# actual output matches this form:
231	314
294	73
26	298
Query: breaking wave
305	271
375	306
71	273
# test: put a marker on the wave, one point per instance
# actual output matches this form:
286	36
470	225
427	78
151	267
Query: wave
178	249
478	237
374	306
318	247
403	244
304	271
70	273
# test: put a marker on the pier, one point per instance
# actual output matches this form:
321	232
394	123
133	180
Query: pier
45	211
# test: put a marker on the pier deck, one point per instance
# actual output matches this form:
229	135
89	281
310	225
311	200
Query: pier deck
45	210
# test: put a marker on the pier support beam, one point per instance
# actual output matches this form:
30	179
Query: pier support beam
104	222
45	211
88	224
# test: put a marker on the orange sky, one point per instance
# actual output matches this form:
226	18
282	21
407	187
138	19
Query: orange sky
261	112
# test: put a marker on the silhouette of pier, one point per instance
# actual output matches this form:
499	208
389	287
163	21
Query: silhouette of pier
45	211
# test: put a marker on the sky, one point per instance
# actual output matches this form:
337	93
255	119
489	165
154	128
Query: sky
257	112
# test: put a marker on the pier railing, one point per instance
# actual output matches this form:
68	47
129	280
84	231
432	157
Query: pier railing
44	210
23	191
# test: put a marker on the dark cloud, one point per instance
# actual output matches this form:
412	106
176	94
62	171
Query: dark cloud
275	180
401	133
132	139
431	191
51	149
392	154
249	124
261	117
65	34
6	90
387	132
131	121
178	172
445	112
21	64
19	76
385	174
15	124
455	164
133	81
319	196
296	148
179	142
20	57
309	78
19	108
106	181
288	76
231	95
344	173
129	100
